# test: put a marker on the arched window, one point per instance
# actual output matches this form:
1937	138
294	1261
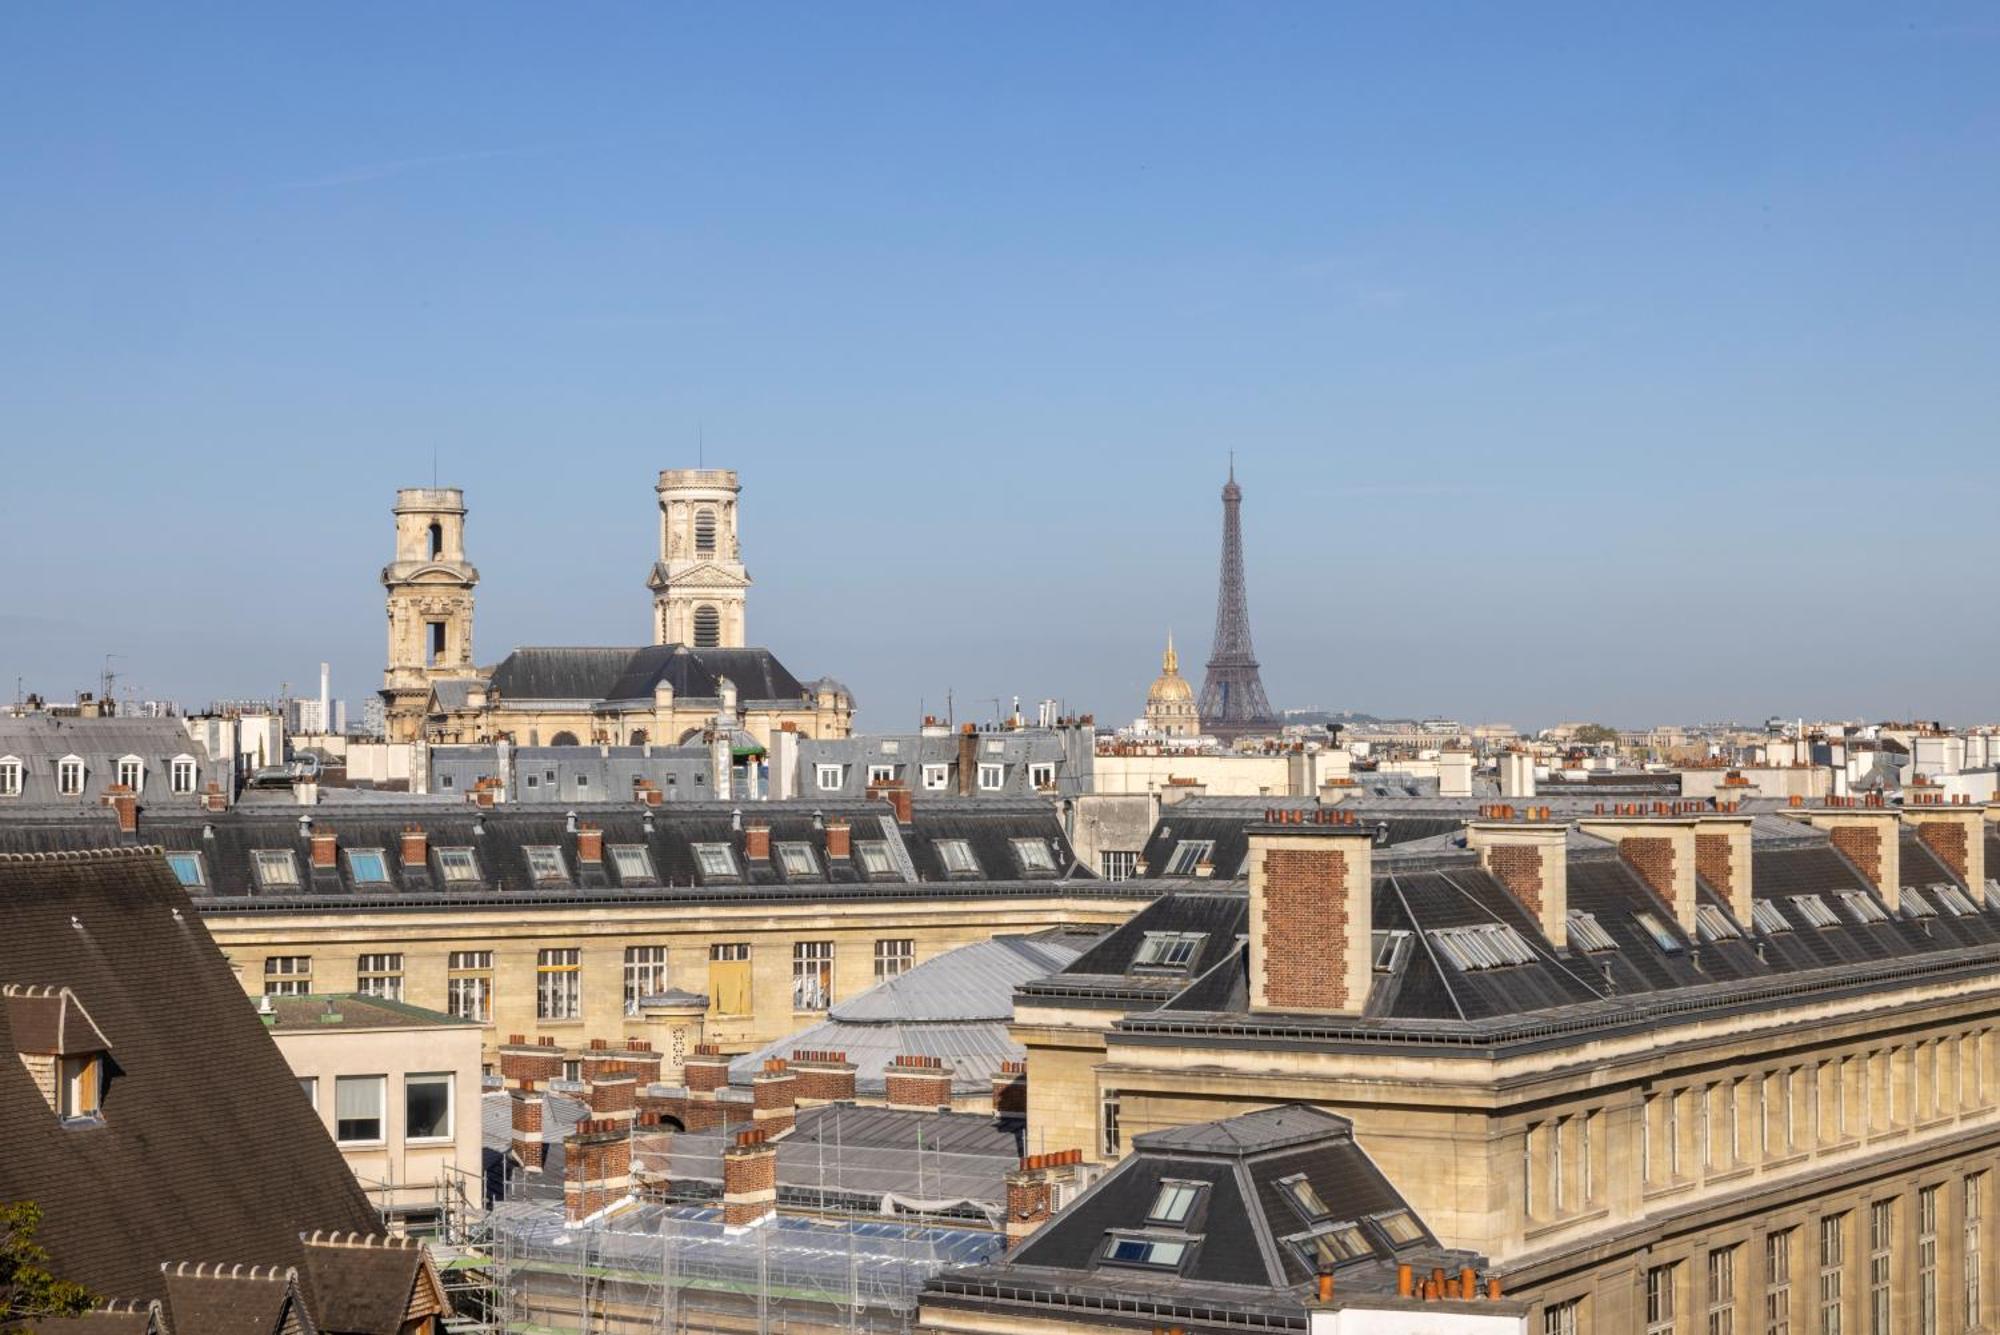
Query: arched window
638	737
563	739
437	541
707	627
704	532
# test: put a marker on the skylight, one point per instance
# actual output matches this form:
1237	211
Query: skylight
1769	918
1305	1196
1333	1244
1483	946
1189	854
1586	933
1955	901
1389	948
1815	911
1168	950
1656	929
1915	904
1863	907
1714	924
1161	1253
1174	1202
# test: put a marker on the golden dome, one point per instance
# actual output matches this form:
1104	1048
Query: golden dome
1170	688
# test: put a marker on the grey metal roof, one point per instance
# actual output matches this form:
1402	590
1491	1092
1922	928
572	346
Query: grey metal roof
41	741
908	755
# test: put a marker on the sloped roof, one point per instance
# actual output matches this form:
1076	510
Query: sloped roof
367	1284
50	1021
230	1299
612	673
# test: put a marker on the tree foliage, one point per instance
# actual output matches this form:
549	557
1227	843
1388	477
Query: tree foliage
27	1290
1595	734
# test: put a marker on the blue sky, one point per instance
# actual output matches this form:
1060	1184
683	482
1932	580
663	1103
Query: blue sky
1581	361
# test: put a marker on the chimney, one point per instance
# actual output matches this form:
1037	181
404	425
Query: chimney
918	1084
1517	774
824	1077
774	1093
1868	838
1311	904
756	841
1032	1191
646	791
416	847
1957	836
1530	858
704	1073
1722	857
641	1062
125	802
839	839
325	848
213	798
897	795
749	1181
612	1095
1662	850
597	1166
968	760
589	843
1010	1090
524	1064
526	1106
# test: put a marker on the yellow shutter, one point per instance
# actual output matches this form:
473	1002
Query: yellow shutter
729	986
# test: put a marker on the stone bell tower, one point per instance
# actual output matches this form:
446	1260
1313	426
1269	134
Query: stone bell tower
699	584
430	604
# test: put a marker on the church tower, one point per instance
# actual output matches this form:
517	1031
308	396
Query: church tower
699	584
430	604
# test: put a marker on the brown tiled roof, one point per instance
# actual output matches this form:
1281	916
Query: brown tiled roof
207	1146
50	1021
232	1299
369	1284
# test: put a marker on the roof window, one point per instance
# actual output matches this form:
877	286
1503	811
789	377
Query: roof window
1768	918
459	866
958	859
276	868
1916	905
1189	854
1305	1196
1482	946
1400	1227
633	864
1586	933
367	866
1955	901
1863	907
1034	855
796	859
715	860
1333	1244
1175	1202
1389	948
1662	937
188	870
874	855
1815	911
1168	950
1714	924
1156	1253
545	864
63	1048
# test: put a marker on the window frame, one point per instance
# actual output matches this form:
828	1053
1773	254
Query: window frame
66	767
950	850
381	1136
1189	854
785	851
559	979
379	969
825	770
726	853
546	865
936	778
646	876
177	767
469	973
1173	952
812	976
459	865
13	776
446	1079
80	1088
867	849
651	964
285	982
898	960
175	856
137	766
1034	857
378	856
996	772
263	859
1184	1193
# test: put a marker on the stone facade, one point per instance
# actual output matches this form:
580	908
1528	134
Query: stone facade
429	587
699	584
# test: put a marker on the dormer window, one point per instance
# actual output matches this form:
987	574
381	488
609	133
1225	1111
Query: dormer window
874	856
1042	774
10	776
276	869
797	860
1189	854
881	774
715	860
1175	1202
633	864
992	778
957	856
1154	1253
81	1092
1305	1196
458	866
830	778
1034	855
181	775
936	777
545	864
62	1048
69	776
132	773
1168	950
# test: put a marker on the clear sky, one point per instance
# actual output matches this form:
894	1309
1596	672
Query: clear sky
1601	361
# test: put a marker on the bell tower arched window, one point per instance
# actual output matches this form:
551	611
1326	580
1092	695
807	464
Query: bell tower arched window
707	627
437	541
704	532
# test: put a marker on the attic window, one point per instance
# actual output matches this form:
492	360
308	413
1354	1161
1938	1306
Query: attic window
188	870
1714	924
936	777
545	864
62	1048
881	774
1815	911
1168	950
1189	854
1042	774
1305	1196
1955	901
1586	933
1389	949
1034	855
797	859
81	1089
1656	929
992	778
458	865
1863	907
1915	904
830	778
1483	946
1333	1244
1769	919
132	773
958	859
1175	1202
1400	1227
10	776
276	868
69	776
1157	1253
367	866
181	775
874	855
633	863
715	859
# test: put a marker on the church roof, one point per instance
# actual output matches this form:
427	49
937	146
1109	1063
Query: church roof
609	673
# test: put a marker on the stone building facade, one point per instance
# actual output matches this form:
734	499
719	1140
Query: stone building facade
699	584
429	587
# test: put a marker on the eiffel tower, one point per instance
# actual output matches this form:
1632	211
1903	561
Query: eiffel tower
1233	703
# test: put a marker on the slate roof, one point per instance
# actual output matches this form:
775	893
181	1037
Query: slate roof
206	1146
1018	751
570	774
40	741
607	673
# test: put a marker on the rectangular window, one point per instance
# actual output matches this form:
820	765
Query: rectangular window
1189	854
1174	1202
645	974
812	975
1161	1253
881	774
1586	933
1863	907
367	866
188	870
380	976
1722	1291
830	778
1714	924
82	1084
1881	1265
1041	775
1769	918
458	866
893	956
469	985
559	984
288	975
992	778
1117	866
10	778
1168	950
357	1109
1656	929
69	777
1778	1283
310	1085
546	866
1974	1261
875	859
1034	856
957	857
729	977
1832	1263
132	773
936	778
1815	911
715	860
797	860
276	868
1107	1125
633	864
1563	1318
1927	1261
1660	1300
427	1107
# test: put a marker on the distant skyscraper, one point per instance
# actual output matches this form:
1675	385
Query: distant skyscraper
1233	703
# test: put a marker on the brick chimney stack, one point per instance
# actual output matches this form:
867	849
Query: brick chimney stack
749	1181
125	802
839	839
1868	837
1311	906
525	1105
897	795
523	1064
612	1095
774	1093
1957	836
1531	858
968	760
325	850
589	843
213	798
756	841
918	1084
597	1166
416	851
824	1077
1033	1190
1663	851
705	1072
